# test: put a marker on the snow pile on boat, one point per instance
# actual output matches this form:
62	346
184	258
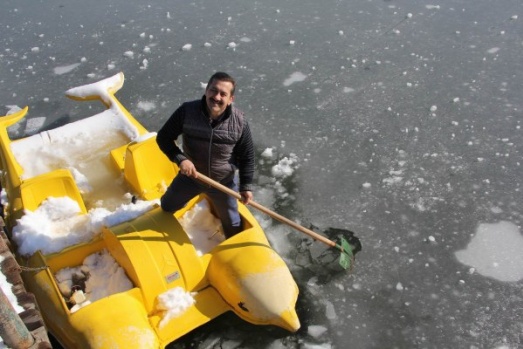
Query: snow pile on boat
174	303
98	277
57	223
203	228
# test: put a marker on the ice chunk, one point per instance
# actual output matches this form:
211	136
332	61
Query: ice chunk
495	251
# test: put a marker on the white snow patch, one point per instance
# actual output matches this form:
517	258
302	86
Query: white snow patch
202	227
58	223
102	275
493	50
174	303
7	288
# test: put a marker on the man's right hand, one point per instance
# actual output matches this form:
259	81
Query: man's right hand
187	168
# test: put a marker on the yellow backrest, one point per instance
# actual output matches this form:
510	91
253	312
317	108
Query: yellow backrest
147	170
57	183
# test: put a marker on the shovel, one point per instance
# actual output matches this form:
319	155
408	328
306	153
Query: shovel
347	250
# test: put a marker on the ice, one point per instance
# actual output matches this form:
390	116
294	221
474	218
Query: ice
187	47
316	330
33	125
145	64
146	106
65	69
285	166
495	251
129	54
293	78
268	153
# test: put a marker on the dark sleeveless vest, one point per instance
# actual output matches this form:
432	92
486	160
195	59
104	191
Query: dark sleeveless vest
211	149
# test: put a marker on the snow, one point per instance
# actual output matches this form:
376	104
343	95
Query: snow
7	289
101	275
174	303
57	223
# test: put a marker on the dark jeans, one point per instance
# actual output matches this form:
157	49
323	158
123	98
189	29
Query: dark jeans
183	189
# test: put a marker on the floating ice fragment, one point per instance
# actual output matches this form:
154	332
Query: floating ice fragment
294	77
146	106
433	108
129	54
35	49
33	125
65	69
399	286
432	239
495	251
207	44
330	311
267	153
514	17
316	330
493	50
292	42
186	47
142	35
231	45
409	15
146	49
145	64
366	185
340	32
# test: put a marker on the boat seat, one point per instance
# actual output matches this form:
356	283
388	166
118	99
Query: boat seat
147	170
57	183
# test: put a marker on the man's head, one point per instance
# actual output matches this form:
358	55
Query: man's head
219	93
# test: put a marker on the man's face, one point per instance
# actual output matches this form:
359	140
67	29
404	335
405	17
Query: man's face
218	97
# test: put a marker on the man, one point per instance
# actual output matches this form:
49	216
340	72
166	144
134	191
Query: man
216	142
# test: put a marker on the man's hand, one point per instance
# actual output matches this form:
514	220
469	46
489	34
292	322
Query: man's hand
187	168
246	197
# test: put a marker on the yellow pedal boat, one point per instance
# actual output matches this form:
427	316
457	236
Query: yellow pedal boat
156	253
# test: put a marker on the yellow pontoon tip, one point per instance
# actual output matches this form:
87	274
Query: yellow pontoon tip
289	321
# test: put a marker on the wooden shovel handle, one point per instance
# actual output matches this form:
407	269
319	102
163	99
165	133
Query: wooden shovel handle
267	211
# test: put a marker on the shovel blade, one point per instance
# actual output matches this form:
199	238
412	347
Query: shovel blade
346	254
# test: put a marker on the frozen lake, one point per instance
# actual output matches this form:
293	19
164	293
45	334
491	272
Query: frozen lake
398	120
